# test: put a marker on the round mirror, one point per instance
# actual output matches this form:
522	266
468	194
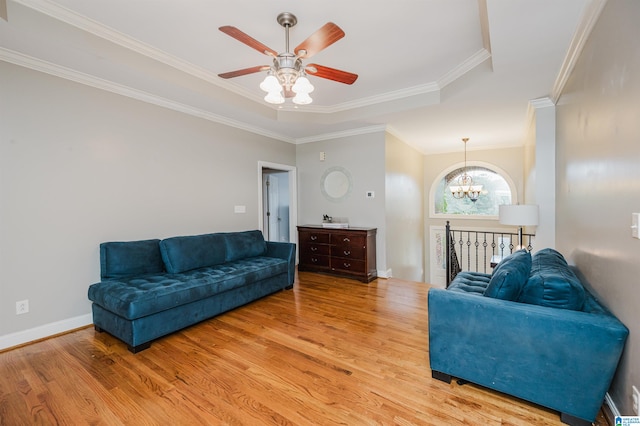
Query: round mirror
336	184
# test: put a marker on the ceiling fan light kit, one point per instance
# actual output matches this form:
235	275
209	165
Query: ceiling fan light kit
287	76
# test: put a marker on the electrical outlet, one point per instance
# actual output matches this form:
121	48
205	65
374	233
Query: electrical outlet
22	307
636	400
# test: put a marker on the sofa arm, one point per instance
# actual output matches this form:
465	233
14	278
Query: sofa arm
561	359
286	251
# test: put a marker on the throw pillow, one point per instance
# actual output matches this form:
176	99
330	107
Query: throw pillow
552	283
510	276
120	259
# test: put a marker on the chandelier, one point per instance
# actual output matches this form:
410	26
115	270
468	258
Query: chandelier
465	186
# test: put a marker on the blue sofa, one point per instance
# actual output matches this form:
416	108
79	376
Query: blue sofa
530	330
152	288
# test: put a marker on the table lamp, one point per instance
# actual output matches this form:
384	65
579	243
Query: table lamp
519	215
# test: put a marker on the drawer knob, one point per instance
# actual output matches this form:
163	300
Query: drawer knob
314	237
346	240
314	248
346	252
347	265
314	259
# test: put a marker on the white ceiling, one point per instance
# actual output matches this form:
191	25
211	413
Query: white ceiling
430	71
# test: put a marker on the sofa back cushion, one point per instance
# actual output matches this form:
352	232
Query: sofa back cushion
182	254
552	283
120	259
241	245
510	276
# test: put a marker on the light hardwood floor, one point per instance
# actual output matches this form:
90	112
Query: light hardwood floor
331	351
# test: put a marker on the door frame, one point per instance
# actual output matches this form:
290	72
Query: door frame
293	196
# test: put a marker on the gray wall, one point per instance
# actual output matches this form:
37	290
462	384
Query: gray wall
404	210
79	166
598	174
363	157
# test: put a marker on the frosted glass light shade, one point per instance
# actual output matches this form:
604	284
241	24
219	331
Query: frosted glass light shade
302	85
270	84
302	99
274	97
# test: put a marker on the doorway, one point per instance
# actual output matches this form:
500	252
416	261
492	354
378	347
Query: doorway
278	201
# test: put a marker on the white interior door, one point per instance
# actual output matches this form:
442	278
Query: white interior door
272	207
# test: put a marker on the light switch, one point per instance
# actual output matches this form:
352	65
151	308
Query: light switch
635	219
371	194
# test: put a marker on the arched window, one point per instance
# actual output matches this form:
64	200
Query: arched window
497	189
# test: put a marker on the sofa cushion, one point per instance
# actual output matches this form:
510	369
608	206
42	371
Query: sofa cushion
182	254
470	282
552	283
509	276
244	244
136	297
129	258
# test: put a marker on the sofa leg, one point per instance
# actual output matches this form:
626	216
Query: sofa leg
441	376
573	421
289	287
136	349
98	329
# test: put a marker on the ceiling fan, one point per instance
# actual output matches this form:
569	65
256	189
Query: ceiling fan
287	73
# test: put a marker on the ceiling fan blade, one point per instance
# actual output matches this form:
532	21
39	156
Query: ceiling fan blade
244	71
331	73
248	40
321	39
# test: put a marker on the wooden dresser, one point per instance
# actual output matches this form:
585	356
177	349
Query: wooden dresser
349	252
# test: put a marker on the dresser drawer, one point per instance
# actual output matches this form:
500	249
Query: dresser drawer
314	237
357	252
312	248
341	240
314	260
348	265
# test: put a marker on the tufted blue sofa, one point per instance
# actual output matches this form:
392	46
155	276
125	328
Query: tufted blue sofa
530	330
152	288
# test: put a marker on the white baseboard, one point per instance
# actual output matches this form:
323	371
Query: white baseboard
612	406
385	274
43	331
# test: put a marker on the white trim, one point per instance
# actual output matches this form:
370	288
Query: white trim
20	59
586	24
464	67
342	134
612	405
293	196
43	331
385	274
492	167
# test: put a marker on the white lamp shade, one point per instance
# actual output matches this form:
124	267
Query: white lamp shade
518	214
302	85
270	84
274	97
302	99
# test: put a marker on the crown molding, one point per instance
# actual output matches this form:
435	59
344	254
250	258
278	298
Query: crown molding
464	67
36	64
46	67
84	23
585	26
342	134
